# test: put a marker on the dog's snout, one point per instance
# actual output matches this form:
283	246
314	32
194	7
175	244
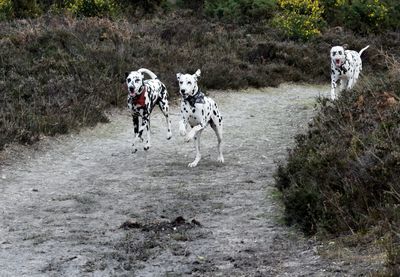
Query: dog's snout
183	91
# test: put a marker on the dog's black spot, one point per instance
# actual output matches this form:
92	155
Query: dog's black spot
220	119
202	111
194	110
215	113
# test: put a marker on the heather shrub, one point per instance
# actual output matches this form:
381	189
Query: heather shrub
343	174
49	64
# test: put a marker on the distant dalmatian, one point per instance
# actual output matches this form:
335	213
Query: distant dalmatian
143	95
198	111
346	66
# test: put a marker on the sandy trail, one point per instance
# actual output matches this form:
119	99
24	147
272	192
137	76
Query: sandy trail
62	204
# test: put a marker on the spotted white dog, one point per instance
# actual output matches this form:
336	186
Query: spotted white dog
143	95
198	111
346	66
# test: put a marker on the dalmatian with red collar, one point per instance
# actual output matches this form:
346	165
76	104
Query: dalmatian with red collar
346	66
198	111
143	96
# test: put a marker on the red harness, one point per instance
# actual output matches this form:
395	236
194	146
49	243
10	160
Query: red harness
140	99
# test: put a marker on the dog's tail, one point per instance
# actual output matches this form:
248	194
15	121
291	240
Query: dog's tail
148	72
362	50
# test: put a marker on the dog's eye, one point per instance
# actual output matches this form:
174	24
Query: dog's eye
137	80
181	82
340	52
189	83
129	80
334	53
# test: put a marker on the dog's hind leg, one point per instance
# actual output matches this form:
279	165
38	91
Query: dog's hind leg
164	107
145	126
334	79
343	84
197	145
218	132
135	121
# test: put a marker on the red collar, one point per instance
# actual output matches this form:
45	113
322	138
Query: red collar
139	100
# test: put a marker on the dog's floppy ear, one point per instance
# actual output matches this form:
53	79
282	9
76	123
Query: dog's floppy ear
197	73
126	74
345	46
178	76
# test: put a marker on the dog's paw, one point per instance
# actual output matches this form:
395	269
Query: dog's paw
169	136
221	159
147	146
188	138
134	150
193	164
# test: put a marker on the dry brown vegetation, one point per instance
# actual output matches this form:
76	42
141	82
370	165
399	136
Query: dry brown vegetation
343	174
60	72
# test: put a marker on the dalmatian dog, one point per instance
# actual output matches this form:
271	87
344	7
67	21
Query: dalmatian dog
143	96
198	111
346	66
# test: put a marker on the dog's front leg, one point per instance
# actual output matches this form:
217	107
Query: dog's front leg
145	126
182	126
333	87
194	132
135	121
197	145
343	84
351	83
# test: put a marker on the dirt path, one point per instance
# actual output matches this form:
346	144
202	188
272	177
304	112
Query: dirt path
62	206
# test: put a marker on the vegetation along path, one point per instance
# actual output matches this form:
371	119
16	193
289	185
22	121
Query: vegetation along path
83	205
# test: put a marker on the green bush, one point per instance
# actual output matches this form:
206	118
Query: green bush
241	10
195	5
26	8
299	19
363	16
93	7
142	7
6	9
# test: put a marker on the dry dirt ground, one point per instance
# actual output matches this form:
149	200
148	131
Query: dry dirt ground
84	205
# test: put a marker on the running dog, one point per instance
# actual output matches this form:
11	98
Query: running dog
346	66
143	95
198	111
